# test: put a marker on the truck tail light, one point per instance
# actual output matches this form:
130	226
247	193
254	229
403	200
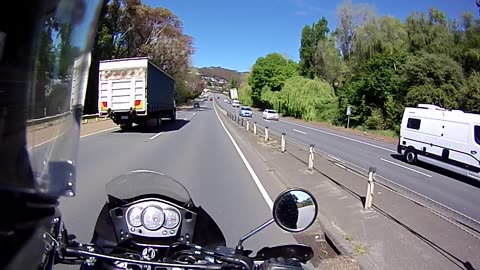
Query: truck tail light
104	104
138	104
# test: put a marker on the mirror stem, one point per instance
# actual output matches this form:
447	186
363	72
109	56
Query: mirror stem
253	232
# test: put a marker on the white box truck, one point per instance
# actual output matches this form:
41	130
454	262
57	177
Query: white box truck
134	90
448	139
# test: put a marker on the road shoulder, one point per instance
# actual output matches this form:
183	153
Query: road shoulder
275	182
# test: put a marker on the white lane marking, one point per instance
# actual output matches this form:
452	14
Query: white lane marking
97	132
156	135
343	137
194	113
299	131
405	167
262	189
52	139
337	159
58	136
340	165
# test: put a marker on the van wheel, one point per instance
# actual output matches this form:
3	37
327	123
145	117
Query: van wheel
410	156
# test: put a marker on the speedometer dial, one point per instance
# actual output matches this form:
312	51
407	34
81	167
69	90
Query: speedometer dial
134	216
172	219
153	218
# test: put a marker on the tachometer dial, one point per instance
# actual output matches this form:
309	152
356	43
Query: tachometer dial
134	216
153	218
172	219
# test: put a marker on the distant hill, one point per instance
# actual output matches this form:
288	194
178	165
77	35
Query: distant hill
223	73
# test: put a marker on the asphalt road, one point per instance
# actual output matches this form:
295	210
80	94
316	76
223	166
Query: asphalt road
457	192
195	151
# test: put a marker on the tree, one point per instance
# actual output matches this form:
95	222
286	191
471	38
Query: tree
470	99
233	83
432	78
309	99
471	43
269	74
328	61
377	85
374	36
245	94
350	17
431	34
312	37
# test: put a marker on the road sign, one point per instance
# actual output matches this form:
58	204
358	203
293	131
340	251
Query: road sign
349	110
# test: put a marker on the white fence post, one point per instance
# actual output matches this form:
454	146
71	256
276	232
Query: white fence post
311	157
248	125
266	133
255	128
370	186
283	142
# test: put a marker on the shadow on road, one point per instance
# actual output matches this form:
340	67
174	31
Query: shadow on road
442	171
166	126
197	109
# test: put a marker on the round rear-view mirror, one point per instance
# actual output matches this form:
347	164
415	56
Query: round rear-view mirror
295	210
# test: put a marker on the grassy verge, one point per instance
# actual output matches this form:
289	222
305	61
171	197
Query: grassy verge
385	133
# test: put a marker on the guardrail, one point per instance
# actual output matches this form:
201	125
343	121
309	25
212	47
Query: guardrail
56	119
306	153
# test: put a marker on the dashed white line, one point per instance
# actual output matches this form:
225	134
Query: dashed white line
156	135
259	184
299	131
405	167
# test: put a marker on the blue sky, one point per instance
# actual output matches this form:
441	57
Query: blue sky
233	34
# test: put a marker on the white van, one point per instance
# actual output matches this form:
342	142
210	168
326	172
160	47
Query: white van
448	139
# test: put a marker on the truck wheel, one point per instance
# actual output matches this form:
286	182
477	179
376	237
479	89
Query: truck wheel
410	155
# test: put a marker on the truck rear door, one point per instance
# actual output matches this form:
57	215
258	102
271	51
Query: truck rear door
121	94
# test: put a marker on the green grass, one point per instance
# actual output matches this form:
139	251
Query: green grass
386	133
359	249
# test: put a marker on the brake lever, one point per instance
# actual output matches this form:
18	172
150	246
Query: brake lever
228	255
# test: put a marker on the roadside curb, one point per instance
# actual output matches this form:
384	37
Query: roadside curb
337	239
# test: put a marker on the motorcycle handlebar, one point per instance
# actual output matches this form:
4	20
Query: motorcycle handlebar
85	254
81	255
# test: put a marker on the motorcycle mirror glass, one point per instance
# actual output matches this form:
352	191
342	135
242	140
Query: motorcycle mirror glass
295	210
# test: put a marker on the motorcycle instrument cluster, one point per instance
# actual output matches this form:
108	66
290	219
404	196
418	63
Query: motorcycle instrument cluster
153	219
